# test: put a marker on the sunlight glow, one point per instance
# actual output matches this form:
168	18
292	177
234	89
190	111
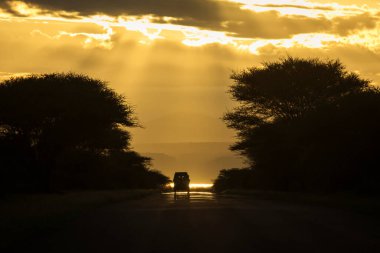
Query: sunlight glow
6	75
24	9
193	186
312	40
366	38
193	36
303	8
196	186
196	38
35	12
142	24
4	15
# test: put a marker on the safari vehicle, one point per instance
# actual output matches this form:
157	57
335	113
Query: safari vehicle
181	182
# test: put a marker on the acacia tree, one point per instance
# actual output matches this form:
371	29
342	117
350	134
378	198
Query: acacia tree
292	111
48	115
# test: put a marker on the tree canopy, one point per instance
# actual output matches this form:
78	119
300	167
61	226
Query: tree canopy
64	110
306	124
287	89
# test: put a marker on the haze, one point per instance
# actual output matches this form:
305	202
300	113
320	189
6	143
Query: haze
172	59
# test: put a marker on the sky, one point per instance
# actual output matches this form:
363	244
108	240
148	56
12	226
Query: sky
172	59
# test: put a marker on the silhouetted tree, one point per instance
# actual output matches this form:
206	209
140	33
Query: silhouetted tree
46	119
233	179
306	124
118	169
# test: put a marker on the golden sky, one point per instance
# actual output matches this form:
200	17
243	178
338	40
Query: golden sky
172	58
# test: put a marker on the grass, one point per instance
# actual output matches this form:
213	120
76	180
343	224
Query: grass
23	215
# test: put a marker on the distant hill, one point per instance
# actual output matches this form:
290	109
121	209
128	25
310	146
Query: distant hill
162	160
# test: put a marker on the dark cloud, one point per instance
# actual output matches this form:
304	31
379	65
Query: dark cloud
197	9
202	13
219	16
249	24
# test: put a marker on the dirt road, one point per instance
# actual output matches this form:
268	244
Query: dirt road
206	223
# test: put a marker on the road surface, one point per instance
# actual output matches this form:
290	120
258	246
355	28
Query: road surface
206	223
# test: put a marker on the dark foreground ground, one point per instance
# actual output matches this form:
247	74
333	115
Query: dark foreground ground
207	223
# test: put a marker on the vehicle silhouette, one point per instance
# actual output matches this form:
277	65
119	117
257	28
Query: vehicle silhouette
181	182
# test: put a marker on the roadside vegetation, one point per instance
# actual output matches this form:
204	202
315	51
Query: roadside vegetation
304	125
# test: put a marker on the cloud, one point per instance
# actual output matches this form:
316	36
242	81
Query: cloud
270	25
230	18
348	25
322	8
